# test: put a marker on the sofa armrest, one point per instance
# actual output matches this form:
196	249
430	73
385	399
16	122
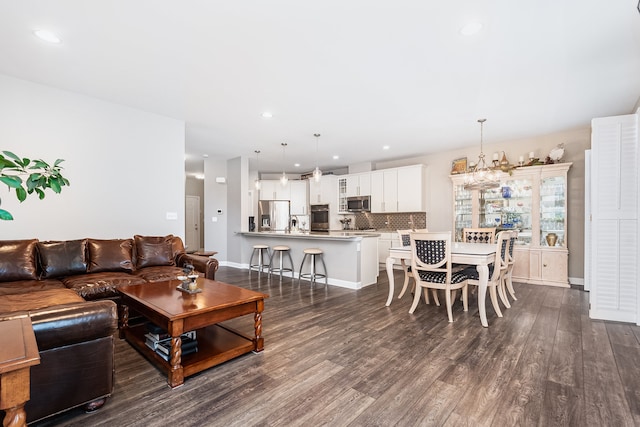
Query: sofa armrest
206	265
74	323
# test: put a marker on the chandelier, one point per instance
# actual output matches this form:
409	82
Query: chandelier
317	173
257	183
283	178
480	176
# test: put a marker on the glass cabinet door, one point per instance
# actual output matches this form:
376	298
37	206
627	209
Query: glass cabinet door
508	208
516	213
552	211
490	208
463	211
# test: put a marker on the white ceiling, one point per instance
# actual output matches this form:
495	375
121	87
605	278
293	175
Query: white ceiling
362	73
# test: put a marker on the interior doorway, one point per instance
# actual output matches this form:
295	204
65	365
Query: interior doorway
192	223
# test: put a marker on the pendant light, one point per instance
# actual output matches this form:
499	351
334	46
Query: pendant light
480	176
317	173
257	183
283	178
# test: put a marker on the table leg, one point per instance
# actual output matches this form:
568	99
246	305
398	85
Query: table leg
257	326
389	265
176	373
483	279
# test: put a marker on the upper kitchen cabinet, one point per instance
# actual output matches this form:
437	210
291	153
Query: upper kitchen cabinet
533	201
398	190
299	198
274	190
352	185
358	184
324	192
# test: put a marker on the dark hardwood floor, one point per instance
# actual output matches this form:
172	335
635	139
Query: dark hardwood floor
340	357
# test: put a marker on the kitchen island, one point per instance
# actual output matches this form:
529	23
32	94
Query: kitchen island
351	257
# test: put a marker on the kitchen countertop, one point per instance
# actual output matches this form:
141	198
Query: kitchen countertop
331	235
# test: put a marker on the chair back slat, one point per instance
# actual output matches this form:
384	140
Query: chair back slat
479	235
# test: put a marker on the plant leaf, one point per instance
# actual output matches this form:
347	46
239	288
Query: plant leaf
21	193
6	163
11	155
54	185
40	193
11	181
57	162
5	216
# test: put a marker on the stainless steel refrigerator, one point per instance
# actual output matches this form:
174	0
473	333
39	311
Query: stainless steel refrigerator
273	215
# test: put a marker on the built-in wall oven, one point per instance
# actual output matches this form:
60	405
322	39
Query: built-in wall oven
319	217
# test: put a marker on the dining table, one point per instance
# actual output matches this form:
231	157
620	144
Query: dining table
478	254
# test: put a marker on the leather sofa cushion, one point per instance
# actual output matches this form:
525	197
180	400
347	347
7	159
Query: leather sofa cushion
153	250
110	255
100	285
18	260
29	301
24	286
59	259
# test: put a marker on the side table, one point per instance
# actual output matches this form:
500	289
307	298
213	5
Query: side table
18	353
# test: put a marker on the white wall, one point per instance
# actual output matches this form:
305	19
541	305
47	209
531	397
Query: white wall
126	166
215	198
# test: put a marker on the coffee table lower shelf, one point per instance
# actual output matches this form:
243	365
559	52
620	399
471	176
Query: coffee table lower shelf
216	344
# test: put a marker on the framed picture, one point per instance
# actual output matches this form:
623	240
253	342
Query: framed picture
459	166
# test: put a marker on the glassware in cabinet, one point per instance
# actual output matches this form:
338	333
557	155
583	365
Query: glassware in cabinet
553	206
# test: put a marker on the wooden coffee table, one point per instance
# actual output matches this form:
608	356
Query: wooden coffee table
178	312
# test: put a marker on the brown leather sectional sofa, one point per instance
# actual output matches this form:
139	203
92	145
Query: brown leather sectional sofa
68	288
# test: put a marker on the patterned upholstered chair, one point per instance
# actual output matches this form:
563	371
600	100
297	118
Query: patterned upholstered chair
431	268
497	270
406	241
479	235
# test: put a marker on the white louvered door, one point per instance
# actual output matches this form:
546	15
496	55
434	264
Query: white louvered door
614	207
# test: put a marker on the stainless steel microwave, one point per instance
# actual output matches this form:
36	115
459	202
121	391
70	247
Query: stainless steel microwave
359	204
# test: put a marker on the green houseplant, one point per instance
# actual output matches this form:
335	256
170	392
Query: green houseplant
28	177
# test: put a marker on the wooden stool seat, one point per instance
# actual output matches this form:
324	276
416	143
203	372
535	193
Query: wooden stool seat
314	253
280	249
261	251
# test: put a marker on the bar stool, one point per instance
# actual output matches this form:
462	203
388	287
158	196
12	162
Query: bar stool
261	250
280	269
312	275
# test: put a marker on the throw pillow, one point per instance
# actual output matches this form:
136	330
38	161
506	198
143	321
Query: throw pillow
153	250
110	255
59	259
18	260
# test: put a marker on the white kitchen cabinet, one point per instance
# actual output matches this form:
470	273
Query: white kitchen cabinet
532	200
299	199
324	192
384	191
398	190
274	190
411	187
385	242
358	184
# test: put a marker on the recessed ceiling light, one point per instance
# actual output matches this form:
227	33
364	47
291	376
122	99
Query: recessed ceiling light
205	155
385	147
336	157
471	28
296	165
266	115
47	36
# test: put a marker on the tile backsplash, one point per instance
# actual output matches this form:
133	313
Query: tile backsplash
390	221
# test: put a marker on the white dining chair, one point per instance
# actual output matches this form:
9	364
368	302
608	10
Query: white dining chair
431	269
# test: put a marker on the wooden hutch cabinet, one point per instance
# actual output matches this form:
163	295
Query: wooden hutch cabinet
532	200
